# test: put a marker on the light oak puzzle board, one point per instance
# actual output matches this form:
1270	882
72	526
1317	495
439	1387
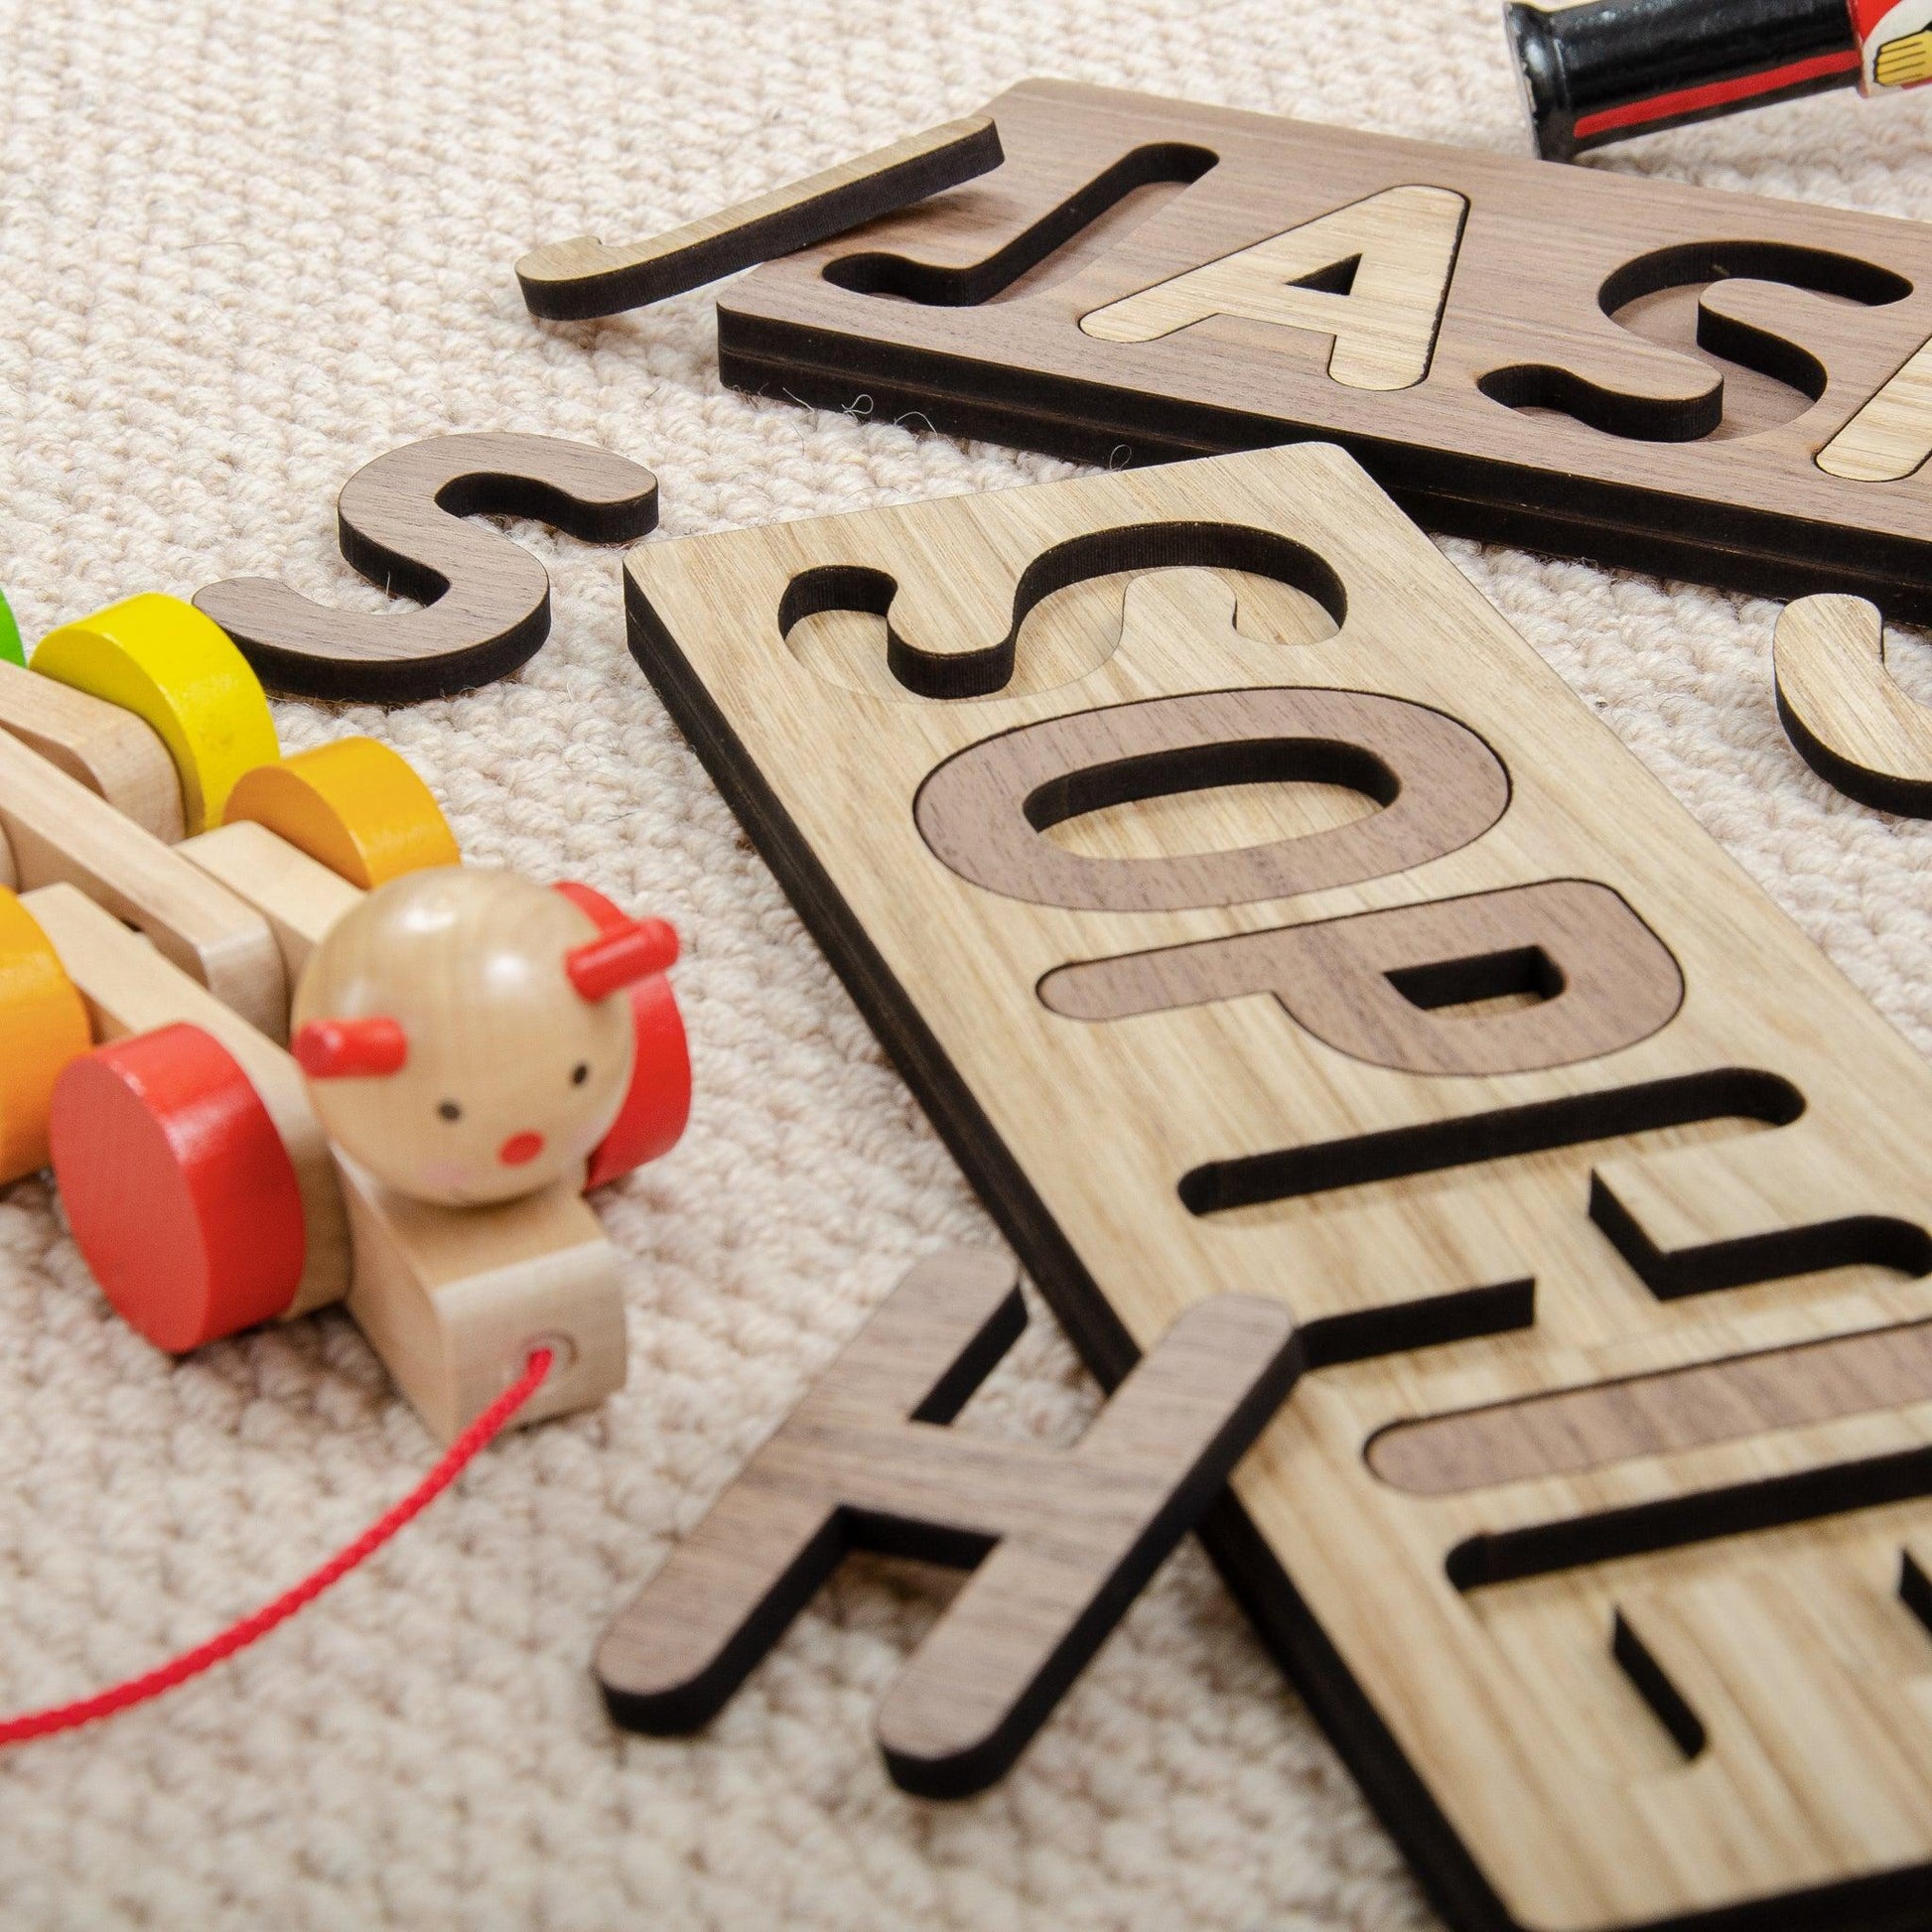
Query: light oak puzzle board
1259	913
1719	386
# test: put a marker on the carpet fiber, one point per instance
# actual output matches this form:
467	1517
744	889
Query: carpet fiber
244	249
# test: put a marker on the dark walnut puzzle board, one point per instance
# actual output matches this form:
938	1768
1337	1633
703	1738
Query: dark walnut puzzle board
1259	913
1725	388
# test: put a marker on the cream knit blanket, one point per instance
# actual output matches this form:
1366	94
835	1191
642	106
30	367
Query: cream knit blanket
245	247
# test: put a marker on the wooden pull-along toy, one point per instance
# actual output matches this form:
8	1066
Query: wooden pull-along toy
472	1049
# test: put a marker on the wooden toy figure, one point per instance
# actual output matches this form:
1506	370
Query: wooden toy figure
463	1037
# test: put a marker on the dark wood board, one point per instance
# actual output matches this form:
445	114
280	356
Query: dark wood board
1630	370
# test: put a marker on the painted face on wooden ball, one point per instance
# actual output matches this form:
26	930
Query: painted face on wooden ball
449	1047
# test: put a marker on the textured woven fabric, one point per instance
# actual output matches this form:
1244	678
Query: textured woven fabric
245	247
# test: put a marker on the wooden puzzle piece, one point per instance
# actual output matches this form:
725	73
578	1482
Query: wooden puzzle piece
1659	1414
402	524
162	660
1371	278
1556	1104
1063	1539
1593	979
1437	787
1632	370
576	280
60	831
354	805
1888	439
110	749
1751	309
10	651
1845	712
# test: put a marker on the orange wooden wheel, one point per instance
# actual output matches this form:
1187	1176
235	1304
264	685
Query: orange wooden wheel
182	1198
43	1025
354	806
658	1103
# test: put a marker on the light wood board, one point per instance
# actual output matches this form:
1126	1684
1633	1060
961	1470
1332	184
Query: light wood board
1722	387
1688	1672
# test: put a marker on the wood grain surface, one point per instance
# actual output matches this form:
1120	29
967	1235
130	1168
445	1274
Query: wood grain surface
401	523
299	897
582	278
1661	1412
1063	1539
60	831
1845	712
109	749
1624	368
1717	1152
455	1300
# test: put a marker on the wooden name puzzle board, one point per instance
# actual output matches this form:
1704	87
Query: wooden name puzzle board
1719	386
1259	914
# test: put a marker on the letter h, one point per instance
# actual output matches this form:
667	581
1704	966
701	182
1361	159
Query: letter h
1063	1539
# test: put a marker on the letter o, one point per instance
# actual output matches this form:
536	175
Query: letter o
1440	786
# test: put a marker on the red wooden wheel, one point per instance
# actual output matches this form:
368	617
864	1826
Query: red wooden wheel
658	1101
182	1198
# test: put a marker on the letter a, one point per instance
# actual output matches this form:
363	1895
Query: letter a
1373	275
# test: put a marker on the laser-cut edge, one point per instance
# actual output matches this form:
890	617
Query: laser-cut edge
1332	278
1683	1521
1466	979
1864	782
631	276
1498	1133
1137	777
884	272
1178	545
1782	264
1667	1704
488	489
847	1528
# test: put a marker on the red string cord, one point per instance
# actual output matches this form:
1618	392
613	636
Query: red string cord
191	1663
